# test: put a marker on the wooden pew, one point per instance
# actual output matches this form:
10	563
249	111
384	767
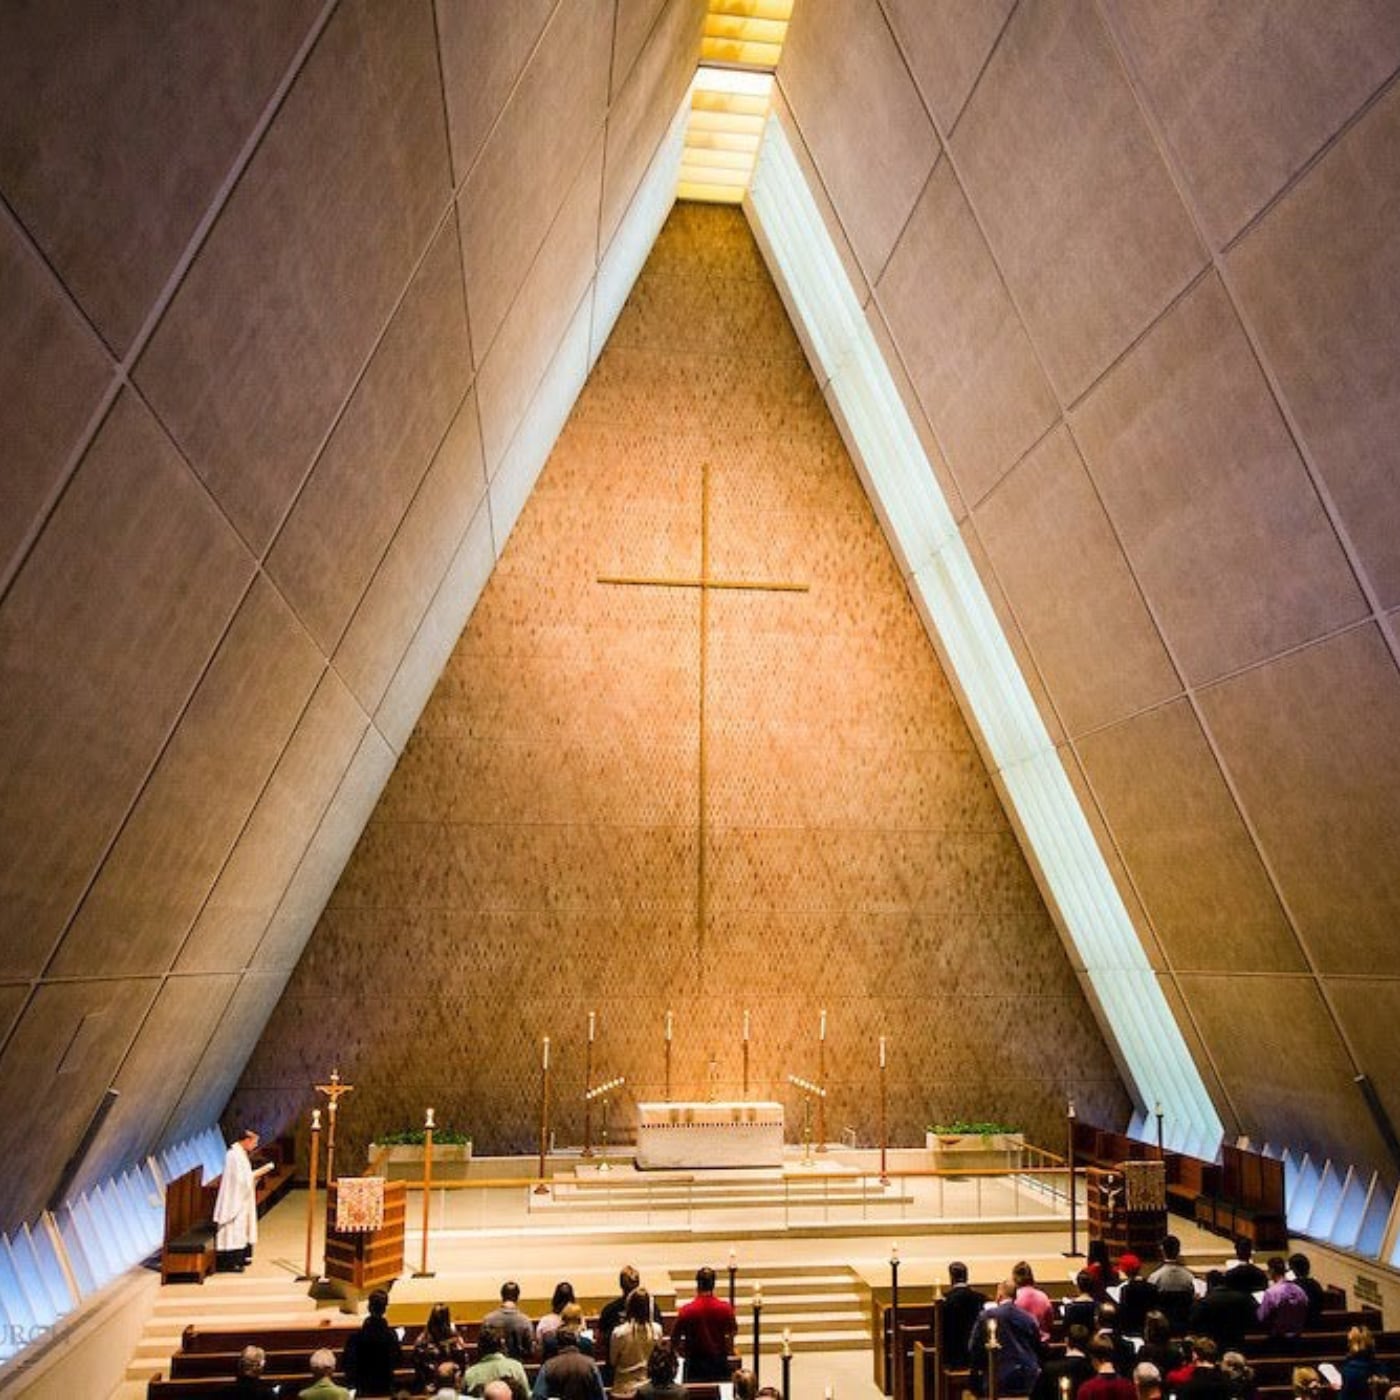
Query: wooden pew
187	1246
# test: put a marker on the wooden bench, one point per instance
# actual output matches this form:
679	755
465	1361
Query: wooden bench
187	1246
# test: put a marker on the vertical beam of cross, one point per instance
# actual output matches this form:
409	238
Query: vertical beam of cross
706	584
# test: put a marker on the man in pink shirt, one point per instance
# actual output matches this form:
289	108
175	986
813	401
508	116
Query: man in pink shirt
1033	1300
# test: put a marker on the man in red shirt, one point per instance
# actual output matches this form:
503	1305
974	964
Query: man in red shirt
1105	1383
704	1332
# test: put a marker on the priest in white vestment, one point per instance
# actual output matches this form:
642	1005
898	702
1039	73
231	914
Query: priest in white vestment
236	1205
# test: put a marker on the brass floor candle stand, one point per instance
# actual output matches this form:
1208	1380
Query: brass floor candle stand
896	1347
733	1274
757	1330
787	1364
1073	1251
428	1125
542	1189
306	1276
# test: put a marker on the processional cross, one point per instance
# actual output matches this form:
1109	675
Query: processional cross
704	583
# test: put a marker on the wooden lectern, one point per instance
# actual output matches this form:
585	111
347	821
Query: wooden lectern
363	1260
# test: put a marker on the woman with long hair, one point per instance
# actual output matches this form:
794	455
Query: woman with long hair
631	1345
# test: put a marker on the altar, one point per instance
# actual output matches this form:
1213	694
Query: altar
709	1135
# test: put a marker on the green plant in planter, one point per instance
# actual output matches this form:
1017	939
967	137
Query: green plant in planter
960	1127
416	1137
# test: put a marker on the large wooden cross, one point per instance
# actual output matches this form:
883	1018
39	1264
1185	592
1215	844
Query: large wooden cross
704	582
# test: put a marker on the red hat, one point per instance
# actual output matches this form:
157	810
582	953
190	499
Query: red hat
1129	1263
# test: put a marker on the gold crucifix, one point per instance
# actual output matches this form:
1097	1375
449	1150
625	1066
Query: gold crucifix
333	1092
704	583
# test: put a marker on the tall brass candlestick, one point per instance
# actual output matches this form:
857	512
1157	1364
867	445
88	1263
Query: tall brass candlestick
541	1189
821	1079
306	1274
1073	1252
884	1121
668	1057
587	1085
428	1126
746	1056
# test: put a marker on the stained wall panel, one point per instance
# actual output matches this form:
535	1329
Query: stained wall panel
1078	207
333	211
177	837
547	797
966	349
63	1054
1186	845
1246	94
270	847
1309	742
327	551
531	160
53	371
1091	636
1319	279
134	601
122	122
1218	517
875	147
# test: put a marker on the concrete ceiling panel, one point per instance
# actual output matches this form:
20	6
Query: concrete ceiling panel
1068	583
531	161
416	561
180	832
153	1073
1218	517
645	107
876	145
53	372
1319	281
1247	94
12	999
63	1055
122	122
269	848
1283	1063
361	486
548	300
968	353
1309	741
635	19
130	586
335	208
485	46
1188	850
1072	192
1369	1010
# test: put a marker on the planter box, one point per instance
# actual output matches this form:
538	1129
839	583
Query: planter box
974	1151
404	1162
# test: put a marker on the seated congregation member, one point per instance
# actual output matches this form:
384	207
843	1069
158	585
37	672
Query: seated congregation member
631	1345
323	1386
1105	1383
572	1318
1283	1310
1239	1376
438	1341
1107	1328
1307	1384
492	1364
444	1384
515	1326
563	1296
1223	1313
374	1353
1018	1344
1147	1381
1300	1266
1243	1273
1074	1365
1157	1347
1208	1381
962	1305
1360	1370
704	1331
661	1383
1136	1298
1175	1284
568	1374
1084	1306
745	1385
1034	1300
252	1361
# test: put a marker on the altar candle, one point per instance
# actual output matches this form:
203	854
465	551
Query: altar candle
746	1025
787	1341
828	1393
894	1254
428	1122
545	1063
733	1260
1064	1388
821	1034
592	1025
668	1025
315	1120
758	1295
882	1052
991	1331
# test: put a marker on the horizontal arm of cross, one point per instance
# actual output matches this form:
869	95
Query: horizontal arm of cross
743	585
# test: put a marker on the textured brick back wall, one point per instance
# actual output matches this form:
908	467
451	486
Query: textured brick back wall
535	854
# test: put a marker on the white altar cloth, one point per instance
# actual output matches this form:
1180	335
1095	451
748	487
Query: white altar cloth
709	1135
